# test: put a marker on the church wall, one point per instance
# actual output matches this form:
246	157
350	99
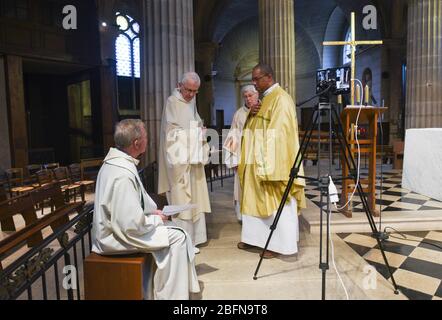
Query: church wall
46	106
5	152
236	57
225	99
38	32
313	16
307	62
336	30
371	59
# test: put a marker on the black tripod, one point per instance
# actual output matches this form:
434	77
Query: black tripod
335	128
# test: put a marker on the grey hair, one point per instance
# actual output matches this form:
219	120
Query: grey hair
191	76
126	131
248	88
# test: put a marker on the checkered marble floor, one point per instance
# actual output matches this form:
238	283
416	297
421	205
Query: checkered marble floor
416	263
390	195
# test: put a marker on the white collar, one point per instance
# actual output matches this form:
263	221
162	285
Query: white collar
269	90
116	153
179	96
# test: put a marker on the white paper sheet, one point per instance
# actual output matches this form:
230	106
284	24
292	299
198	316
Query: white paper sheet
172	210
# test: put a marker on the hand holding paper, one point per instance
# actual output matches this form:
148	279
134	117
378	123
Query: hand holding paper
173	210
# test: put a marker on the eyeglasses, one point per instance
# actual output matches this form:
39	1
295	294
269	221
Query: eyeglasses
189	90
258	78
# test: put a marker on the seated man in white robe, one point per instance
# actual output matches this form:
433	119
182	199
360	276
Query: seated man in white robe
126	219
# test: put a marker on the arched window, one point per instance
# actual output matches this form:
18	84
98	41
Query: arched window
346	54
127	52
127	47
367	78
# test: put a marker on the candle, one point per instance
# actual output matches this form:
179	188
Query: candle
358	94
339	99
367	95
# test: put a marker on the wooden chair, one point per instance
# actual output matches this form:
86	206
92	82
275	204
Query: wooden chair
76	177
89	168
398	151
51	166
16	182
32	169
61	174
44	177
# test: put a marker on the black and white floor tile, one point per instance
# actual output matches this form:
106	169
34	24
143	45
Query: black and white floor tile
392	198
415	261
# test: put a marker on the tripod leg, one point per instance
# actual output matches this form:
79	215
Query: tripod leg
362	196
324	259
294	172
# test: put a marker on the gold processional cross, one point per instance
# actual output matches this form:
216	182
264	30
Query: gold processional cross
353	43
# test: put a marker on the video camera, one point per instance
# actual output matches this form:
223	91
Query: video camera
333	81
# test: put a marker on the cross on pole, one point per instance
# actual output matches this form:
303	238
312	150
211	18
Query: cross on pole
353	43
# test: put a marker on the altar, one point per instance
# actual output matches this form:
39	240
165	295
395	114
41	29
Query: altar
422	171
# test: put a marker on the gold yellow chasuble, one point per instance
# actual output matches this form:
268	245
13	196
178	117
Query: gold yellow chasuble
269	147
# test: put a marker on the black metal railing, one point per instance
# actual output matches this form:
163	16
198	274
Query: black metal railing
36	275
216	169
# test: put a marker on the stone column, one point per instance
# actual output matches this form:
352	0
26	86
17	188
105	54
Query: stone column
393	56
204	56
424	64
167	52
277	40
17	113
109	102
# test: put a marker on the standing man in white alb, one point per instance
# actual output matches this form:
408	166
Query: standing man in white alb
232	145
183	153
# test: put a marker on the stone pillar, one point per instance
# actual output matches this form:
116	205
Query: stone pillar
239	100
167	52
393	56
204	56
424	64
5	151
107	73
109	102
277	40
16	110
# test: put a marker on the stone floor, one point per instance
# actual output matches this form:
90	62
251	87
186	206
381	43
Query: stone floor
226	272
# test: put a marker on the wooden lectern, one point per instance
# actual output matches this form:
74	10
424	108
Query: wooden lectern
369	115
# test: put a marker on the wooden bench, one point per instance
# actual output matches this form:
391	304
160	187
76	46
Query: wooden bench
312	148
25	205
118	277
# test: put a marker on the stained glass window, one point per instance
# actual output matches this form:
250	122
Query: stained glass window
127	46
346	56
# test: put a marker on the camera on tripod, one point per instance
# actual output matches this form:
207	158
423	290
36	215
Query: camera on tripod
332	81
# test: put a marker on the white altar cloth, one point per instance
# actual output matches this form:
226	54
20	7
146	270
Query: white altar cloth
422	171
